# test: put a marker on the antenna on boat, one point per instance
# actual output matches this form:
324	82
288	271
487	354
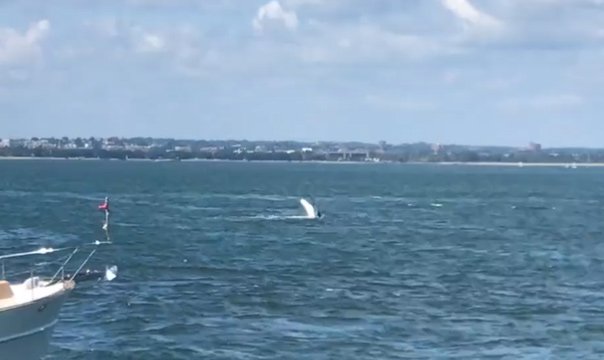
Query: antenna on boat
105	207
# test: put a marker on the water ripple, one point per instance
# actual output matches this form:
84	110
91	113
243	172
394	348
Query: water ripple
409	262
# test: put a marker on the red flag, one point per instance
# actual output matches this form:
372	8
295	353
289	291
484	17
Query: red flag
104	206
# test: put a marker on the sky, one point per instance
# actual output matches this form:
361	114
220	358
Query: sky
476	72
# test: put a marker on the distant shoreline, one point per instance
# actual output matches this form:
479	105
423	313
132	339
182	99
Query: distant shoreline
28	158
451	163
521	164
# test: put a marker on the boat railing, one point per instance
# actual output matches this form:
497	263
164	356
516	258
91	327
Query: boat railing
62	262
65	261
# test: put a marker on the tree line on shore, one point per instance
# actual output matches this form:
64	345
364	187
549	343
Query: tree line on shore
408	154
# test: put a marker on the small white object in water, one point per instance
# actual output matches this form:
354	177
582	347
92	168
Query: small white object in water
111	273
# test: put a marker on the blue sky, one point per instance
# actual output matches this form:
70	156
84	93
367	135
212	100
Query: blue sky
502	72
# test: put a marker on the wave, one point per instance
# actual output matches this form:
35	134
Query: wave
272	217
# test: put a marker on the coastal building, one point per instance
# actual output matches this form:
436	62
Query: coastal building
535	147
436	148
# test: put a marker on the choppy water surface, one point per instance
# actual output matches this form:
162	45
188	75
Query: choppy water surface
417	262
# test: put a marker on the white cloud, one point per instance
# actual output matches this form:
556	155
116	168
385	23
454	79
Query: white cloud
296	3
273	12
325	4
501	83
151	43
147	41
562	25
19	48
391	103
181	48
465	11
550	102
558	101
451	76
108	27
366	43
343	32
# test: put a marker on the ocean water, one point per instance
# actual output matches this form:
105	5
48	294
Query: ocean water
410	262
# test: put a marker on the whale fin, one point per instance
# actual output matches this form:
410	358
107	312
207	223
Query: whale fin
308	208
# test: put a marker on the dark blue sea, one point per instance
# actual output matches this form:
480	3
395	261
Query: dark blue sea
409	262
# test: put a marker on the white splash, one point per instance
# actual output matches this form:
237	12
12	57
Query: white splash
110	273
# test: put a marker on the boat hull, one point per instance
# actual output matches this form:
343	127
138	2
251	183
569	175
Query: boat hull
25	330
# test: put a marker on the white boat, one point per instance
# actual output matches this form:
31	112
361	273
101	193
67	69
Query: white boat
28	314
30	309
